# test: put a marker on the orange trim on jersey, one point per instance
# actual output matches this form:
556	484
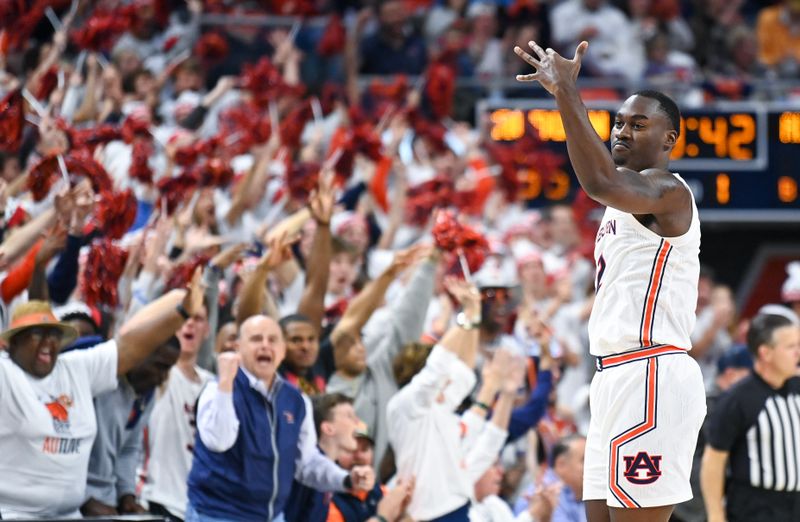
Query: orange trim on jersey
622	358
652	294
631	434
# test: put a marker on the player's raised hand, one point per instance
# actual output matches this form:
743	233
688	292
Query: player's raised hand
552	69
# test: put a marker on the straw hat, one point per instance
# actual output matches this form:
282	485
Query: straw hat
33	314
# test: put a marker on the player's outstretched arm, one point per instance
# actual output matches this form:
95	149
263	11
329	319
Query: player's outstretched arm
658	192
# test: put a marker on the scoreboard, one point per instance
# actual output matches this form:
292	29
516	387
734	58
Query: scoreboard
741	160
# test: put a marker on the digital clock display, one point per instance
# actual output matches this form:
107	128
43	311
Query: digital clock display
705	137
743	157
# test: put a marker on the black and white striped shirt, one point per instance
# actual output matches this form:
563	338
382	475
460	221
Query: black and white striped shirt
760	427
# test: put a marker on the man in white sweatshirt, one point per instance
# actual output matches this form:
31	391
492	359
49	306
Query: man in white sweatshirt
172	425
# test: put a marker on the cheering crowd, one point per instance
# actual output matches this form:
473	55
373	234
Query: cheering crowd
239	284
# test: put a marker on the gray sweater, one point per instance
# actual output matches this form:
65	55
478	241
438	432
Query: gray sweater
372	390
117	449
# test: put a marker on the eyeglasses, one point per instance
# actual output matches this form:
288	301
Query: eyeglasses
497	294
39	333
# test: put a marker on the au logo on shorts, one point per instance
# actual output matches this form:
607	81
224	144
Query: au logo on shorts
643	468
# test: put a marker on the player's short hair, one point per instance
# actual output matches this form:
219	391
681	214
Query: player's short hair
762	329
666	105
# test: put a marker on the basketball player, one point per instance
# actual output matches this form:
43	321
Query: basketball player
647	398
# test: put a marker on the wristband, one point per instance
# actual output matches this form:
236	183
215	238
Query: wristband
181	310
348	483
482	405
380	518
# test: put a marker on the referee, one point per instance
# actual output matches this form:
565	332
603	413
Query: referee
756	426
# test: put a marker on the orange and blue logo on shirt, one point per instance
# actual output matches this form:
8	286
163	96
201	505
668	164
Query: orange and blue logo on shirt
59	411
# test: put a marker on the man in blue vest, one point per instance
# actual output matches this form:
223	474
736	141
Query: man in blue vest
255	435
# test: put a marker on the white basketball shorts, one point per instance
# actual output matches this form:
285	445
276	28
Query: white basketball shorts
647	407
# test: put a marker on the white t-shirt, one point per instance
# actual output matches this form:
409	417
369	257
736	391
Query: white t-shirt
171	437
47	428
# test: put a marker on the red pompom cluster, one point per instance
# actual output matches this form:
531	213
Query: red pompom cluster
104	267
333	39
101	30
249	124
433	132
394	91
20	20
177	189
424	198
214	172
12	121
115	213
301	179
457	238
182	273
211	48
265	82
360	138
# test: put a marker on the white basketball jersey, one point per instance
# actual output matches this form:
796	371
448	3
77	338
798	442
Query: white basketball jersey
645	284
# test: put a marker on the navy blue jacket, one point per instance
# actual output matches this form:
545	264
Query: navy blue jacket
353	509
251	480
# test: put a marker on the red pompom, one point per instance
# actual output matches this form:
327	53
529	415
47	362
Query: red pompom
47	84
115	213
452	236
394	91
140	164
265	82
90	137
433	132
441	84
424	198
211	48
242	126
294	123
215	173
12	121
42	176
22	23
333	39
135	127
104	267
181	274
102	29
11	12
177	189
79	163
301	179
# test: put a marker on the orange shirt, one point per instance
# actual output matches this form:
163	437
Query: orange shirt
776	41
